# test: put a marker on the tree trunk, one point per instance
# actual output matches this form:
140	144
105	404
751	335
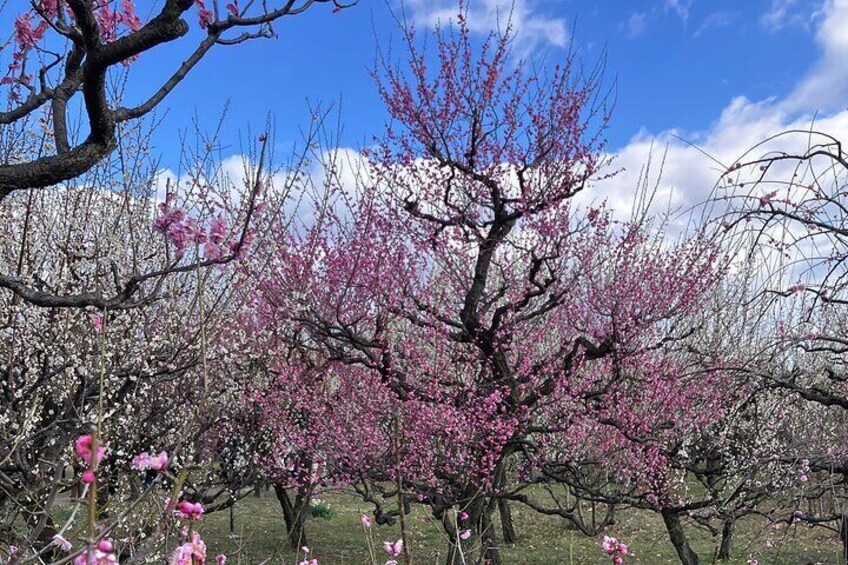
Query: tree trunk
726	547
481	538
294	514
678	537
843	533
488	543
507	525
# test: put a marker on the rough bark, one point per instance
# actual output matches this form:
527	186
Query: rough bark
726	548
678	537
507	524
481	541
489	552
294	513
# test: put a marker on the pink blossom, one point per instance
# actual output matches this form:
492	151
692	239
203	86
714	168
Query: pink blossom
143	461
97	321
83	449
366	521
609	544
615	549
393	548
217	234
190	553
463	516
766	198
88	477
221	559
168	218
103	554
190	510
465	534
204	15
61	543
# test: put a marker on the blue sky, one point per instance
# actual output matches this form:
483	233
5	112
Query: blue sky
721	74
675	64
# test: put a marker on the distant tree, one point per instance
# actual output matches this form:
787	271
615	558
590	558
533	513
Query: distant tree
787	196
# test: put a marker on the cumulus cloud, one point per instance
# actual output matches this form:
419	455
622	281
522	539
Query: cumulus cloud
691	168
533	29
826	84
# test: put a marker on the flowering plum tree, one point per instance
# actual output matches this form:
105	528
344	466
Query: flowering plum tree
138	368
63	52
787	194
110	297
504	326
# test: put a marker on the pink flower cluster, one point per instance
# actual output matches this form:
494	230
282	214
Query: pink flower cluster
103	554
83	447
30	28
204	15
393	548
192	552
144	461
111	21
182	231
189	510
804	476
615	549
177	228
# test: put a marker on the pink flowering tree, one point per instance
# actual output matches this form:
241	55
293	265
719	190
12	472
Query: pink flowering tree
504	326
322	438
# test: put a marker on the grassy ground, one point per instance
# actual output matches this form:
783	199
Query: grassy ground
339	539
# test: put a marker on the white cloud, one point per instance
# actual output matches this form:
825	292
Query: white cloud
714	20
781	14
532	28
690	173
825	86
679	7
636	24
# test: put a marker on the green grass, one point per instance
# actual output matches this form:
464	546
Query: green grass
260	534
